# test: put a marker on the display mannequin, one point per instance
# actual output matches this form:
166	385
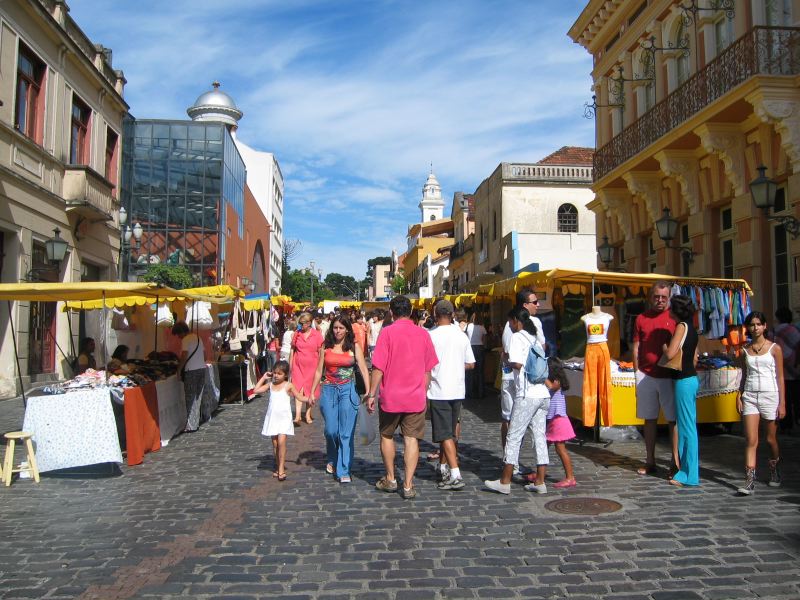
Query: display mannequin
597	368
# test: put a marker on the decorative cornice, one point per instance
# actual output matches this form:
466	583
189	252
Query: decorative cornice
782	110
683	166
617	202
727	141
647	186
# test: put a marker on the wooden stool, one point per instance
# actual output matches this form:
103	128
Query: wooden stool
8	469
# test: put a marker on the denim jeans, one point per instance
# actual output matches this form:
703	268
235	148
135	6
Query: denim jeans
339	407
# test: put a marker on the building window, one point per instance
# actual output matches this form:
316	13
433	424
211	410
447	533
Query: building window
111	157
567	219
79	137
779	13
723	33
651	249
727	259
30	101
682	40
685	262
780	200
494	226
781	267
726	218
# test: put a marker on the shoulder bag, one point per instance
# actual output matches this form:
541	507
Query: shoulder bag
676	363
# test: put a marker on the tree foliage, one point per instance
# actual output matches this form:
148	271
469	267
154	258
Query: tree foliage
344	286
175	276
399	284
298	285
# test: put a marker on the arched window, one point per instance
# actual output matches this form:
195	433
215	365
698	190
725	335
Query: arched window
567	219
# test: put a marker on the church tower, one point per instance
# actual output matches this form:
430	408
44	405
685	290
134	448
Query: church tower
431	206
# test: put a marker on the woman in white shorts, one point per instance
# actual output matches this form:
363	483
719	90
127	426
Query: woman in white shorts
761	397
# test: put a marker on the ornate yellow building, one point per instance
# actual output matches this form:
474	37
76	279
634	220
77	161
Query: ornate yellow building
691	97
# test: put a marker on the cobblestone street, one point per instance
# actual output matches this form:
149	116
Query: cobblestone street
204	518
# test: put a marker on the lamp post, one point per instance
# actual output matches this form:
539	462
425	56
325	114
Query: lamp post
667	228
606	252
763	191
55	250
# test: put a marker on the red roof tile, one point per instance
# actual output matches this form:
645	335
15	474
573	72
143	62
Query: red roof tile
569	155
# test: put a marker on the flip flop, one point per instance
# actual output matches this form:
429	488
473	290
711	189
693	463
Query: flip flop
281	476
675	483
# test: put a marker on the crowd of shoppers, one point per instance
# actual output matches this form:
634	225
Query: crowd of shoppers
425	365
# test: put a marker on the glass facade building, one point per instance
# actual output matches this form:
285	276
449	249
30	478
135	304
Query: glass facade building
179	179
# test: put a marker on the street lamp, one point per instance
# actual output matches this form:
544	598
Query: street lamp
667	228
606	252
55	249
763	191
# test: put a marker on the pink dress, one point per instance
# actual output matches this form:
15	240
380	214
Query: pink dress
305	359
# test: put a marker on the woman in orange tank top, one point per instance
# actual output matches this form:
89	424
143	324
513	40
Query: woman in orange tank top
339	357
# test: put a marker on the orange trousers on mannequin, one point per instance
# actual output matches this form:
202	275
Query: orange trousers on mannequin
597	384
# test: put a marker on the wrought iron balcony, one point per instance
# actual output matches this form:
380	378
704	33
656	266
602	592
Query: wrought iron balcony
761	51
87	193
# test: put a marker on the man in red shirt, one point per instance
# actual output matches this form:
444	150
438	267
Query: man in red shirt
401	365
654	384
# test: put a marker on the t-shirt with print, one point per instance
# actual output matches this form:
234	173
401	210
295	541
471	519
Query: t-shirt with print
597	327
453	351
652	330
404	353
521	343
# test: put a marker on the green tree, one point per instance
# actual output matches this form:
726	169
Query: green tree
343	286
399	284
297	284
175	276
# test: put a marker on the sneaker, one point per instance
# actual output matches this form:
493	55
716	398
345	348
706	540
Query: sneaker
385	485
539	489
443	475
408	494
345	479
749	482
496	486
774	473
565	483
451	483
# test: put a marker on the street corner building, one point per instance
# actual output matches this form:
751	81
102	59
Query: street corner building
694	102
61	123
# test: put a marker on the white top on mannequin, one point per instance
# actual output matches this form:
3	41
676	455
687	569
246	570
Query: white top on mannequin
597	323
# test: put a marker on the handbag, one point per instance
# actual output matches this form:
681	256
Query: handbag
676	363
361	386
119	320
252	324
235	332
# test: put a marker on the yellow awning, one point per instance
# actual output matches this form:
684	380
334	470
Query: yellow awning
84	291
218	294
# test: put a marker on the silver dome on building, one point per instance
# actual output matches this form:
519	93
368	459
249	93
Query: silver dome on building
215	105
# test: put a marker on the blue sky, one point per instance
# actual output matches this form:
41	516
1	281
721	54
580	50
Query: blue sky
358	97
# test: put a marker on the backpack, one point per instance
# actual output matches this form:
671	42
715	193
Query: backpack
536	370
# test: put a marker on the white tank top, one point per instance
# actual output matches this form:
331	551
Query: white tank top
761	374
597	327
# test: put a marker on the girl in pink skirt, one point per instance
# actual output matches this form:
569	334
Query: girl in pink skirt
559	428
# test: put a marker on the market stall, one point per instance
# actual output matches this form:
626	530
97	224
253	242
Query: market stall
571	294
73	423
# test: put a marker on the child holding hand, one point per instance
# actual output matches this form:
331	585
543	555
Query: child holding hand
278	422
559	427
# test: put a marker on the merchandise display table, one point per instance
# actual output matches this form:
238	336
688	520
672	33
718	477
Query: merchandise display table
73	429
716	398
142	431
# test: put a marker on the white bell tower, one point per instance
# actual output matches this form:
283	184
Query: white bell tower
431	206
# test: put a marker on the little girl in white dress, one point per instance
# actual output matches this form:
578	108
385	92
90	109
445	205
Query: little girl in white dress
278	422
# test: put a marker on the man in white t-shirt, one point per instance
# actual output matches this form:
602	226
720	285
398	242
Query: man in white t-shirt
527	299
373	329
446	390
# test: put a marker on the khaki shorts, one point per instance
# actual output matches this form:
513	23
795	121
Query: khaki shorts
410	424
654	394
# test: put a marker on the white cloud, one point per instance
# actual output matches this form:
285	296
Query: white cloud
356	99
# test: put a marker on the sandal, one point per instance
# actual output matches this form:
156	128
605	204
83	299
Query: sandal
329	468
309	421
676	483
647	470
281	476
274	473
297	422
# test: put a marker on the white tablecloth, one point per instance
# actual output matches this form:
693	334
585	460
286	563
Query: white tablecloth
73	429
171	408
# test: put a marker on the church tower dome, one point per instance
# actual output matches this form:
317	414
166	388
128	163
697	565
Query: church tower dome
215	105
431	206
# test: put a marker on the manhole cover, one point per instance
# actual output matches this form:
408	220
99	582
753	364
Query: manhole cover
583	506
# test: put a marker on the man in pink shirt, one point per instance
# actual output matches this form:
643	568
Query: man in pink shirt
401	365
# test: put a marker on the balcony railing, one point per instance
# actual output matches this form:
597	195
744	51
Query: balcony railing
84	189
761	51
534	172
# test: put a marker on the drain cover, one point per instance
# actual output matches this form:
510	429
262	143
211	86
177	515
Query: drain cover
583	506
